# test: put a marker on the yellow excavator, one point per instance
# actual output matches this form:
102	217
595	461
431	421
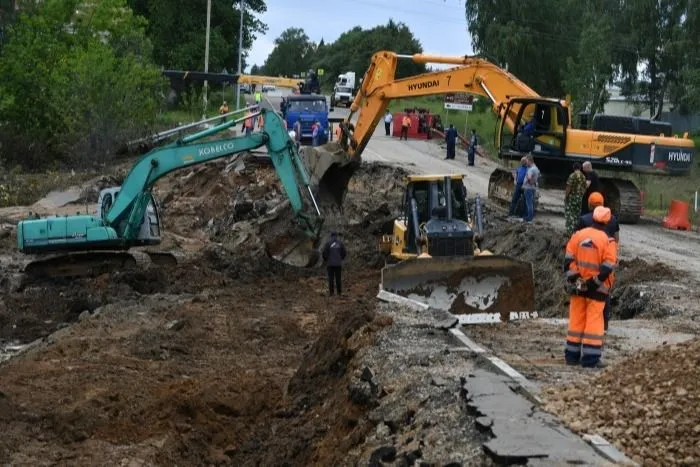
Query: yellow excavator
437	258
630	146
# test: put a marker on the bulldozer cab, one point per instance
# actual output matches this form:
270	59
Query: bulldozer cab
432	197
539	127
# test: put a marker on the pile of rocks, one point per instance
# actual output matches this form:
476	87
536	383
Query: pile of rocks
648	406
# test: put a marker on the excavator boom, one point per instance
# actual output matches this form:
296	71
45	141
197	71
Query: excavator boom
550	138
128	216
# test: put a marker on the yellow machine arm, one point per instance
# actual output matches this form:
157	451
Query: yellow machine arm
274	80
472	75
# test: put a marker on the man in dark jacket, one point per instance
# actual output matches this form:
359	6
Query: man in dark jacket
333	254
451	140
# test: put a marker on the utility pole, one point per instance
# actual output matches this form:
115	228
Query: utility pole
206	60
240	56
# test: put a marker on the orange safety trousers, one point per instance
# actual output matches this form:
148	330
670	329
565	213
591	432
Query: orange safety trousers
584	340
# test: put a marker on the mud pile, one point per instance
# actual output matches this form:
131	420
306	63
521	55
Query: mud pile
541	246
195	363
649	408
639	290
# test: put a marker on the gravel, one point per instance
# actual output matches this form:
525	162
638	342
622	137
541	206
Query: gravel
648	406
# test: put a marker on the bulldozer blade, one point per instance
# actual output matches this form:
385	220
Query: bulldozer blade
489	284
331	169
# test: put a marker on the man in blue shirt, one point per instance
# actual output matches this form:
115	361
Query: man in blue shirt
451	140
519	175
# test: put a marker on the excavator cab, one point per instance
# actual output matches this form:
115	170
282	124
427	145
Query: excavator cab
539	129
436	258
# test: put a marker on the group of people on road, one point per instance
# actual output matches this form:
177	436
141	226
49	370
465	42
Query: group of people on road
526	179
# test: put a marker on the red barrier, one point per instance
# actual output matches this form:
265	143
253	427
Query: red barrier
677	218
413	129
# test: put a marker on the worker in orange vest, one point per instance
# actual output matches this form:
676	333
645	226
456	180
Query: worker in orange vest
405	125
590	260
248	123
261	122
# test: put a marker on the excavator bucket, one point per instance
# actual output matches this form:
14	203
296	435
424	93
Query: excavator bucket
295	249
501	186
478	285
330	169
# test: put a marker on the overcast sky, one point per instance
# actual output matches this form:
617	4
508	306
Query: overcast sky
439	25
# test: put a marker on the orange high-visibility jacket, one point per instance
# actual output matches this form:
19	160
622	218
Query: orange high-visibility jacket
249	121
406	121
590	254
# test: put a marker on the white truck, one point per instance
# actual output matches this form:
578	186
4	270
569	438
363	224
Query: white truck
344	89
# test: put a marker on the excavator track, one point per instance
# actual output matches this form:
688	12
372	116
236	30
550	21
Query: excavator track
623	198
91	264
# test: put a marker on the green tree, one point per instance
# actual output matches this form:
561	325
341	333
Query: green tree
177	29
593	65
292	54
531	38
659	42
353	50
77	78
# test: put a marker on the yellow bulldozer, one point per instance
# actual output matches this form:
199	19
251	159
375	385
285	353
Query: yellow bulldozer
436	258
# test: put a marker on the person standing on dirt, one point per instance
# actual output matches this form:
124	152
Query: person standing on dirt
530	185
592	185
575	189
451	141
519	179
471	151
612	228
333	255
388	118
589	263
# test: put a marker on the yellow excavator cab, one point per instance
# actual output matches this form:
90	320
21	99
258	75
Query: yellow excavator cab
434	245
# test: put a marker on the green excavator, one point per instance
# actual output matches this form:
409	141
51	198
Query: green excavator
128	216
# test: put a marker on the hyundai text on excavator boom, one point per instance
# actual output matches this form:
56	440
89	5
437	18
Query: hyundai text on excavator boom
554	145
128	216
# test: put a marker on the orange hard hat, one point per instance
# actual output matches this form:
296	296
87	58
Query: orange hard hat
595	199
602	215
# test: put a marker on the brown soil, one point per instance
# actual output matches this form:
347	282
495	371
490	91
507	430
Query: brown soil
649	408
544	248
229	358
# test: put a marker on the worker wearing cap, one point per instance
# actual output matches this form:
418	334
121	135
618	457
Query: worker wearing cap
591	258
612	228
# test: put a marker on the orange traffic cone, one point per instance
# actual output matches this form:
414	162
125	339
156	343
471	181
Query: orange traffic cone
677	218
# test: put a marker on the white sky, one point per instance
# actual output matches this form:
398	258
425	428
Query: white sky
439	25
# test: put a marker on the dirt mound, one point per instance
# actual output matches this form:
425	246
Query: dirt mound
648	408
542	247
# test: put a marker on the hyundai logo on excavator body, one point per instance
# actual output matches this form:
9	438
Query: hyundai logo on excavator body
424	85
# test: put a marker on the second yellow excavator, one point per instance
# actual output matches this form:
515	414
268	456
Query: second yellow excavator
555	144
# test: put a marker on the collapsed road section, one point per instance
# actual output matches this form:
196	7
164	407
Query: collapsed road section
232	358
